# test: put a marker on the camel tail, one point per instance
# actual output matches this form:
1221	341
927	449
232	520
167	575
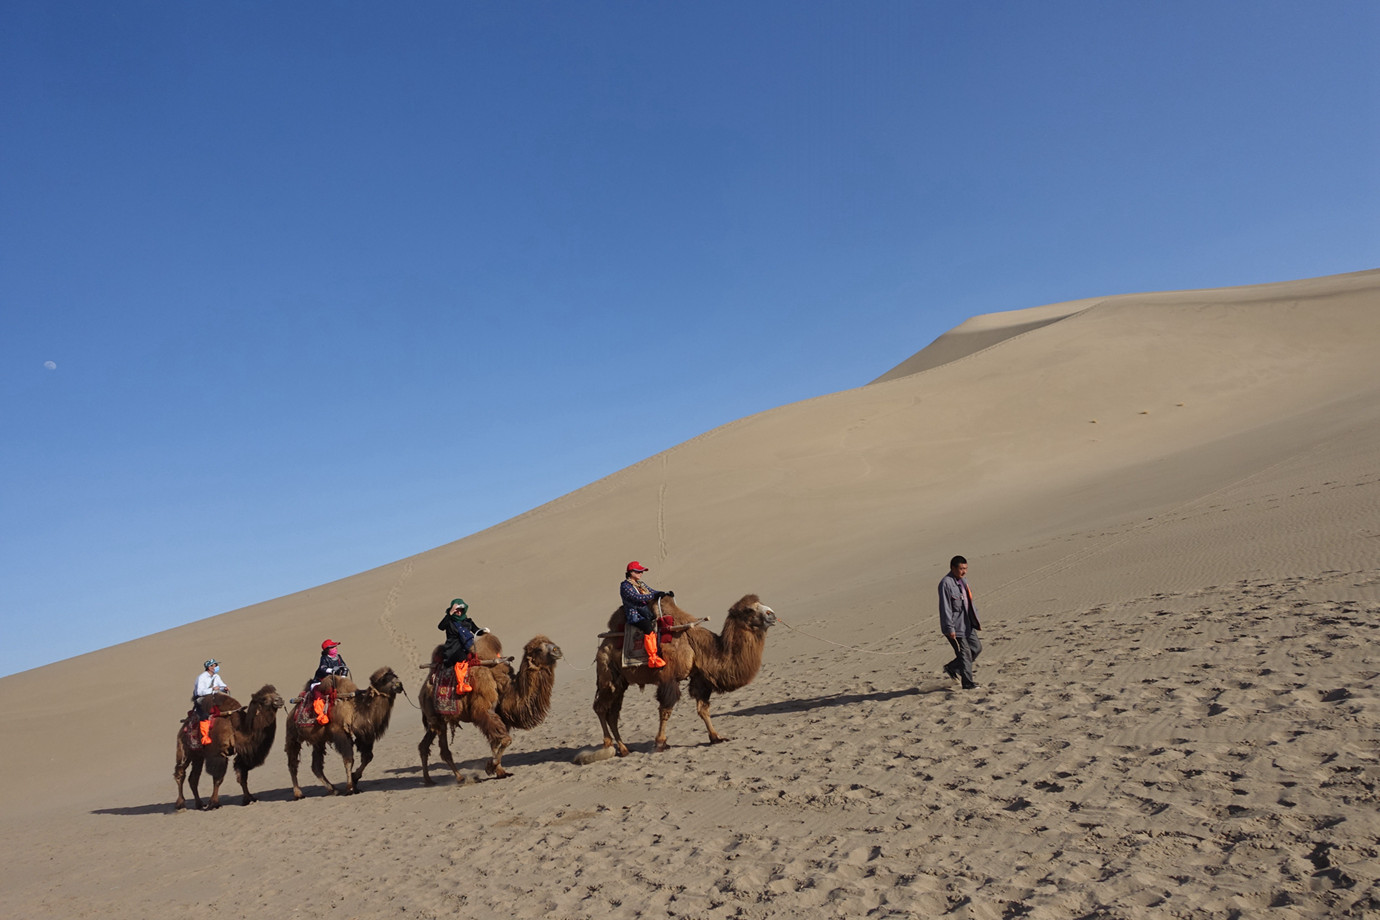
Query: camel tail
590	755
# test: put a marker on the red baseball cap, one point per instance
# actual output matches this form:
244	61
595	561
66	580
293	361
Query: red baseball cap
637	567
329	643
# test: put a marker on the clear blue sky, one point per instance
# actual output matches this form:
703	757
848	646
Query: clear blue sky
292	290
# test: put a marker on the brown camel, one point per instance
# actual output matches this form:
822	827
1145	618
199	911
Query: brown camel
357	720
712	663
247	732
501	700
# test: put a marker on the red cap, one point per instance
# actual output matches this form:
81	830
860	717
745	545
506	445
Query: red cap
637	567
329	643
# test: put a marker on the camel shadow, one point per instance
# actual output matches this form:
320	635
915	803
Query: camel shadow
475	765
226	801
819	702
367	785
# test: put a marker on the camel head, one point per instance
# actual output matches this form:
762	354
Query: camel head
542	651
268	696
752	613
384	682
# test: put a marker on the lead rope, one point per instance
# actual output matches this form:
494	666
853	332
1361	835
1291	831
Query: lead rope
854	648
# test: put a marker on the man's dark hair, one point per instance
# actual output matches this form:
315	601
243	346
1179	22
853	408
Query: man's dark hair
957	560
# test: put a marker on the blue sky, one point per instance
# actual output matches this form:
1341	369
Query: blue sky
289	291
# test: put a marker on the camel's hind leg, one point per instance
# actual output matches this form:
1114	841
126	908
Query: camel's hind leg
700	691
667	695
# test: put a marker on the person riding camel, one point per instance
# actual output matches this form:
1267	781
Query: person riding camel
460	633
208	684
331	663
637	599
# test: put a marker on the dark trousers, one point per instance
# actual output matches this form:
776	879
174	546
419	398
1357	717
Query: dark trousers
966	649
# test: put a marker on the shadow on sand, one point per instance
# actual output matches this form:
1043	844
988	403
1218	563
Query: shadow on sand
820	702
409	777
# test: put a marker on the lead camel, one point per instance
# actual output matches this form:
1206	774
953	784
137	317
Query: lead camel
711	663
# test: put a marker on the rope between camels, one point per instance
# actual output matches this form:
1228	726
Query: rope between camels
855	648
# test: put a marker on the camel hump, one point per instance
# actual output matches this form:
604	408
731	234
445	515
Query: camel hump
488	646
223	701
342	686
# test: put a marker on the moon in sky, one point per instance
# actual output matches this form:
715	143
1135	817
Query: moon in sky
51	365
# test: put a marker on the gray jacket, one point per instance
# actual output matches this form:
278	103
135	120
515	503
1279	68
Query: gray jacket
957	612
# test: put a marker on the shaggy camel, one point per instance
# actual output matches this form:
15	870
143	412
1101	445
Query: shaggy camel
712	663
358	719
247	732
500	701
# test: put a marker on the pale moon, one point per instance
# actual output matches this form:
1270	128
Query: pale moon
51	365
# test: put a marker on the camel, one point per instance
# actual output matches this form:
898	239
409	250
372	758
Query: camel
247	732
358	719
712	663
501	700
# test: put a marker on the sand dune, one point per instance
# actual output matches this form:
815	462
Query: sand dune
1172	509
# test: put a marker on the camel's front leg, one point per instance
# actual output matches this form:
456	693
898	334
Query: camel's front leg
424	748
215	765
195	781
608	704
700	692
345	746
497	734
702	707
366	754
179	773
446	755
294	757
242	774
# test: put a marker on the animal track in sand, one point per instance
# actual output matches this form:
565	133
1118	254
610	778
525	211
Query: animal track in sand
400	640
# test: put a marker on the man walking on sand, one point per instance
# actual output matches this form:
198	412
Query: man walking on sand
959	623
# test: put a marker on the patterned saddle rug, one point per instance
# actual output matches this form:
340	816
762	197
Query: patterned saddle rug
448	690
305	713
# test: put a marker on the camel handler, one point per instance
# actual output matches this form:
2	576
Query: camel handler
958	621
460	632
208	684
637	599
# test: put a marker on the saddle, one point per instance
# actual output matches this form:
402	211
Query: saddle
448	687
634	652
198	729
315	704
191	727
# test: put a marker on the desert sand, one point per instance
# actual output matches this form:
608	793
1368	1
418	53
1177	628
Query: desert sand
1171	508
